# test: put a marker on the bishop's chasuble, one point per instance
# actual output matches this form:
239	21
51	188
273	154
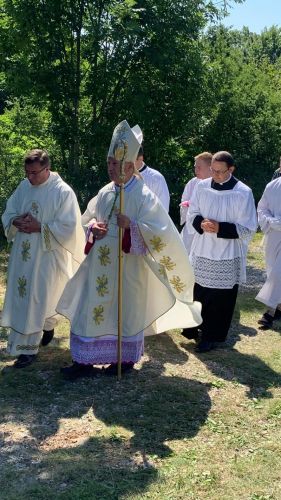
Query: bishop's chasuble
157	277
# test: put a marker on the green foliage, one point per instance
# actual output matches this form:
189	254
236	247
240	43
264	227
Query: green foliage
90	64
82	66
244	93
22	127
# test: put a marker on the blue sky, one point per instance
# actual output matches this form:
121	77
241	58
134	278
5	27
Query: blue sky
256	14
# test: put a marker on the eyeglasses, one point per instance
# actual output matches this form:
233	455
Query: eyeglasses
218	172
35	172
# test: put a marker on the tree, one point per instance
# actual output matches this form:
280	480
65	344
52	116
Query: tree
92	63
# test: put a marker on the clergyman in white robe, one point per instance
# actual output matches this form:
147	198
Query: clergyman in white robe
202	163
186	234
222	215
269	217
157	277
40	263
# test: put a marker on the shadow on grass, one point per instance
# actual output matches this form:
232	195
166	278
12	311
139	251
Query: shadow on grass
237	367
247	369
141	414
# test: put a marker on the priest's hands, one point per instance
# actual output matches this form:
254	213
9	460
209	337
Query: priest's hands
210	226
99	230
26	223
123	221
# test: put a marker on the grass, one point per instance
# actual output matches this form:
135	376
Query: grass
183	426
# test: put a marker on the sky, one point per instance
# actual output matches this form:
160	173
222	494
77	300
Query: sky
256	14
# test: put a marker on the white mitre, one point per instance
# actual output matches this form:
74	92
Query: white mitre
125	142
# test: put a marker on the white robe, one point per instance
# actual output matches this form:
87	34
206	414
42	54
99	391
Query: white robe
221	262
40	263
158	286
269	217
157	184
186	235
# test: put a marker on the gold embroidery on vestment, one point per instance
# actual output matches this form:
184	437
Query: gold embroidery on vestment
98	314
157	244
104	252
102	282
25	250
167	263
162	271
177	284
47	239
34	209
22	286
27	347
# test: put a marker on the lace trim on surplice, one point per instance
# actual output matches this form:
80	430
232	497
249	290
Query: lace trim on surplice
217	273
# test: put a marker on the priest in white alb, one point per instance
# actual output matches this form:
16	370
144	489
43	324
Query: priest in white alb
157	277
43	220
269	217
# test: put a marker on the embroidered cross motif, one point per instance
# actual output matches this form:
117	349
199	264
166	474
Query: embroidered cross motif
157	244
102	282
104	252
177	284
22	286
25	250
167	263
98	314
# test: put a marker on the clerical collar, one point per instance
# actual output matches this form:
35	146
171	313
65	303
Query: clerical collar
227	180
144	166
224	186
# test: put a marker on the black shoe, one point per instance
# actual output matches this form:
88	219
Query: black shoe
24	360
78	370
191	333
113	368
205	346
48	336
277	314
266	321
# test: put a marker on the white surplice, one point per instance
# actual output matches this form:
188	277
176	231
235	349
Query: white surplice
40	264
269	217
221	262
157	184
186	235
157	286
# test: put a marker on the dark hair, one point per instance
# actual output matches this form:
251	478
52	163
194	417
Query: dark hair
37	155
140	153
224	156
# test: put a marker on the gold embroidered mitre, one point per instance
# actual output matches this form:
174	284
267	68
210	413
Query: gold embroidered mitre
125	142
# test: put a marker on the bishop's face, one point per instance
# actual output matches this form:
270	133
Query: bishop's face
113	168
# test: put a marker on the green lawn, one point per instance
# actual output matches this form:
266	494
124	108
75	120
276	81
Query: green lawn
183	426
